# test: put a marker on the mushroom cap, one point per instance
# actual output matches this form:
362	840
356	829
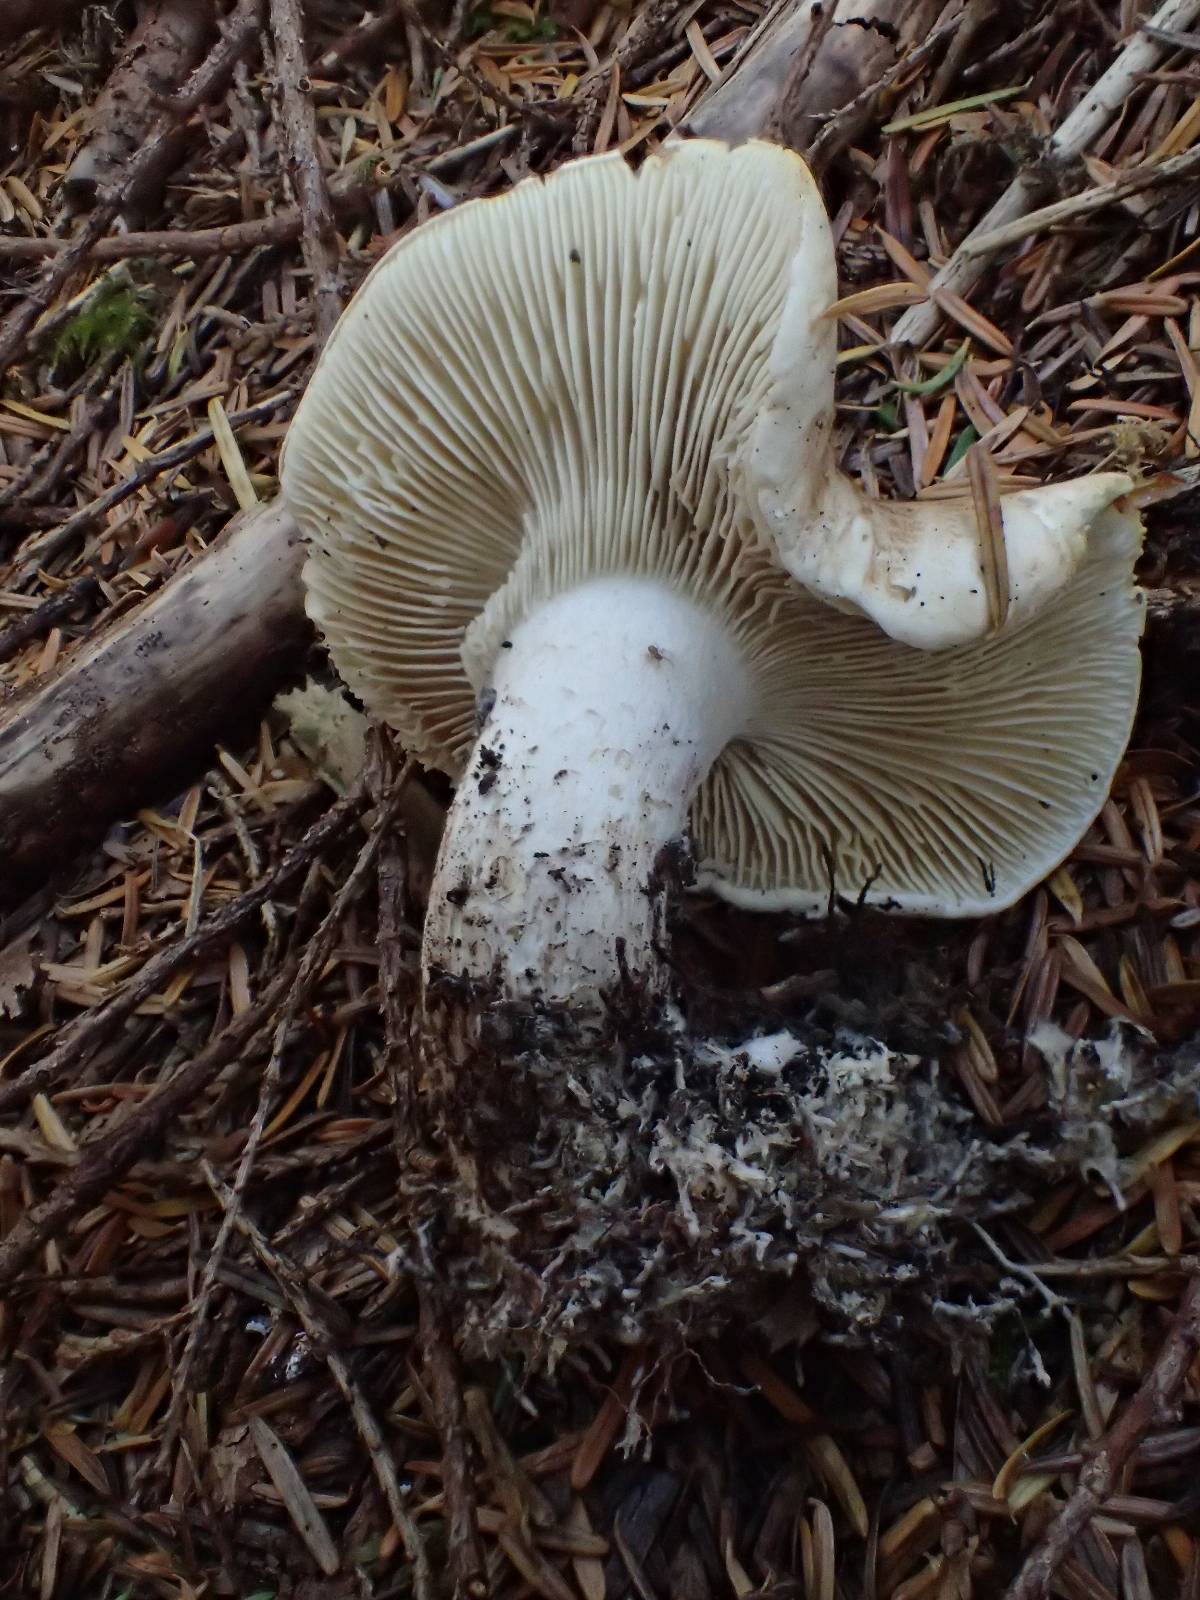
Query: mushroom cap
914	567
570	381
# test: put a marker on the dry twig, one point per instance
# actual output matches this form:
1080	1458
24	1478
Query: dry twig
298	128
347	196
169	41
1155	175
1150	1408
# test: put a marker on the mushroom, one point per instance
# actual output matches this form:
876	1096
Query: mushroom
577	532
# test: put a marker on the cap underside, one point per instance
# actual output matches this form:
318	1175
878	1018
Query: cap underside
945	782
546	387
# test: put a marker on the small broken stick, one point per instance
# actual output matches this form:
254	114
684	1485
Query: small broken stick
1149	1408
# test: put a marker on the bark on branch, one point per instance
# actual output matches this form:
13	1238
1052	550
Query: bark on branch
128	713
808	62
169	42
298	126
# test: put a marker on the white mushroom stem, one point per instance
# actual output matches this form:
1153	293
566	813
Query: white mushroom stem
612	701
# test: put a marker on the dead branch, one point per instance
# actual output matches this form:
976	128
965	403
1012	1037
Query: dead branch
464	1554
41	472
1093	113
1149	1408
805	63
237	35
975	16
1154	175
168	42
152	692
346	196
837	131
282	227
80	1039
298	130
369	32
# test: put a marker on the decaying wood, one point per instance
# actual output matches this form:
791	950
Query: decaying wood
807	63
121	721
169	41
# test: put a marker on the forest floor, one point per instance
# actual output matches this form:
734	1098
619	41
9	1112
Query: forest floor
270	1406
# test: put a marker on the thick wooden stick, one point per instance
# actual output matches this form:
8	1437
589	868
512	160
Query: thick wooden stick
127	714
169	41
808	61
297	126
